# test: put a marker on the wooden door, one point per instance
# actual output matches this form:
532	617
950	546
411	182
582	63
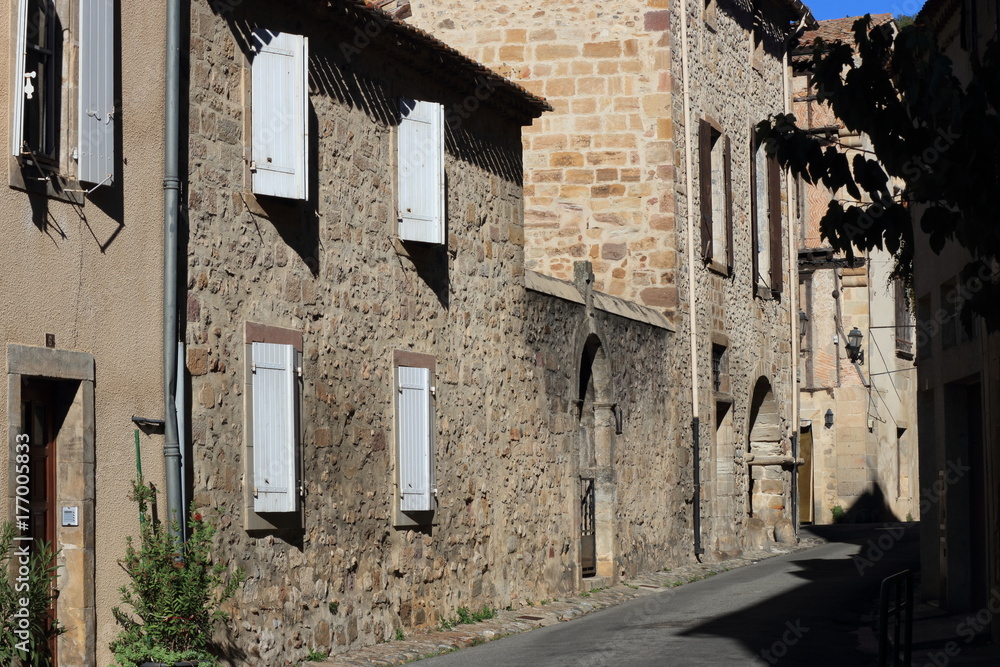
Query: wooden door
39	400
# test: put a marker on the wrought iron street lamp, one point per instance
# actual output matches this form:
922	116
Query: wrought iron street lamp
854	351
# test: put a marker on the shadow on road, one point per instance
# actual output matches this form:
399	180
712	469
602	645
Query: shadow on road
828	619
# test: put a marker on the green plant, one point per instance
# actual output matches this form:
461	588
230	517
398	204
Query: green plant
586	595
175	590
909	517
316	655
334	607
30	644
400	635
838	514
466	617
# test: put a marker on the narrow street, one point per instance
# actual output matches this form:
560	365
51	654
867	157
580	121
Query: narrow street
807	608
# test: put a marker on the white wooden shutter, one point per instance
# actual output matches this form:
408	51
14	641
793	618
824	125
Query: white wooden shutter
421	171
274	429
280	115
96	153
17	121
413	422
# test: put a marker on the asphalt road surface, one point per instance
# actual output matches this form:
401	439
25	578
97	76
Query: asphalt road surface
809	608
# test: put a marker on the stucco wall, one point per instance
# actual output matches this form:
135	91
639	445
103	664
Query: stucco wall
92	276
508	362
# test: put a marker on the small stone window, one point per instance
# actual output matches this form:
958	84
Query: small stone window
720	369
904	322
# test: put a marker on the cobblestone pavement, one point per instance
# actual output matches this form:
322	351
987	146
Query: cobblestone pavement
506	623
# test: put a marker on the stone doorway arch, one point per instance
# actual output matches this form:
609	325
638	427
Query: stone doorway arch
596	449
767	480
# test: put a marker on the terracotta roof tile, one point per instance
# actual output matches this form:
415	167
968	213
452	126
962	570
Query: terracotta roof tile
832	30
840	29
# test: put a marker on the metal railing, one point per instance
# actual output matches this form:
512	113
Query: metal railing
895	620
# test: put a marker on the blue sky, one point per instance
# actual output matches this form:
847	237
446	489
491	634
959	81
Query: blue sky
838	9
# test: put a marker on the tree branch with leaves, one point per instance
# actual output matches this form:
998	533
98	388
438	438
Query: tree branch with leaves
938	135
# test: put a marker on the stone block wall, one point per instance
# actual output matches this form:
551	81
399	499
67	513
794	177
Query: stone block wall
614	76
735	85
507	441
598	171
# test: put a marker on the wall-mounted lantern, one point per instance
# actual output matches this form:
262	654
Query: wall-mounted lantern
828	419
803	321
619	419
854	351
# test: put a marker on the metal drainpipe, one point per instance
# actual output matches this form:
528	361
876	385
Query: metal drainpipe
171	205
793	288
693	315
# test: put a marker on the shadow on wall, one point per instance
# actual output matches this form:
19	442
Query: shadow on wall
351	69
870	507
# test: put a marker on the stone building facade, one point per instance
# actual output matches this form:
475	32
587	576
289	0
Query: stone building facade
651	175
557	441
81	278
865	461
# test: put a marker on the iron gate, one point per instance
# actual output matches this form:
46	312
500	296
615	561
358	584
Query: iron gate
895	620
588	524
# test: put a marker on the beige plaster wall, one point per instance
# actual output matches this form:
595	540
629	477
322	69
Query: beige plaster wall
91	275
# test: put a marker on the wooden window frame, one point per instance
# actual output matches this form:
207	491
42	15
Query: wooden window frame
53	175
255	522
409	232
423	519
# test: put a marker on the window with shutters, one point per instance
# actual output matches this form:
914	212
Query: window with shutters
279	115
273	456
765	210
420	182
761	255
64	116
716	198
413	400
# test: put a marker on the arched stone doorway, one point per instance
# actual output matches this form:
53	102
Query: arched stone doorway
768	481
597	478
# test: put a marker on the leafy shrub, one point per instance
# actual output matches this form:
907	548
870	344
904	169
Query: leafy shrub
38	590
838	514
175	591
316	655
